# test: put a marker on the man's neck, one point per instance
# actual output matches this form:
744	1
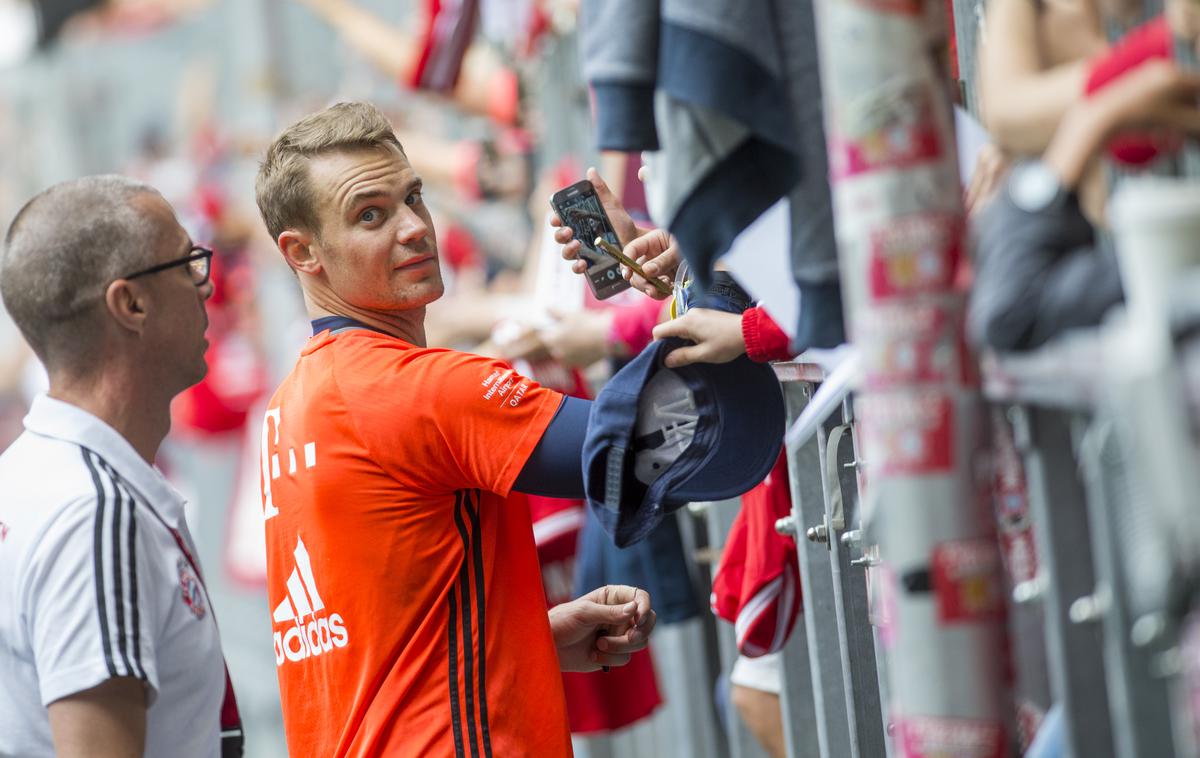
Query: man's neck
119	403
408	325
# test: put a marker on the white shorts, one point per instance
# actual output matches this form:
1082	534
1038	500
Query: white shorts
762	673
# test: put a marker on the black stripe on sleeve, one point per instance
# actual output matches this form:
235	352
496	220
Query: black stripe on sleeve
134	611
452	656
464	580
119	600
480	602
98	563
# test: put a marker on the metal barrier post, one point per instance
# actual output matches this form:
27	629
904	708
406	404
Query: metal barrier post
817	584
1073	646
1140	700
856	640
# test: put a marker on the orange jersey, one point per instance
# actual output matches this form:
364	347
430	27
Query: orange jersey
408	612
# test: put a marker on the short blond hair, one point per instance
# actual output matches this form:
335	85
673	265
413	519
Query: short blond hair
284	191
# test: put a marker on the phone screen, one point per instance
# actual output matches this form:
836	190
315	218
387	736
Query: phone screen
587	219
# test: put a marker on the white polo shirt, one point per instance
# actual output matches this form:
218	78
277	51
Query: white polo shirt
94	585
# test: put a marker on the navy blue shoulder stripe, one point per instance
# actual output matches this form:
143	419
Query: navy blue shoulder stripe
474	636
480	602
452	658
464	584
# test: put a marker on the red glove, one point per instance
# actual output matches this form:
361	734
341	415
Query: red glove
765	341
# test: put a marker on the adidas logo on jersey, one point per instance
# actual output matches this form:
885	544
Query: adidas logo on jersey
319	634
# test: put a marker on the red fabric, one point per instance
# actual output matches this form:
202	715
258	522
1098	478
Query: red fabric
765	341
466	169
445	37
598	701
504	102
458	248
633	325
237	371
1151	40
757	585
236	380
951	40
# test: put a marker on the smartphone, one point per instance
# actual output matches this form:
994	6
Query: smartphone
579	208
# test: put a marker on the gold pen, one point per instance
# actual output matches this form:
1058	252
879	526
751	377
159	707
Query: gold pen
613	251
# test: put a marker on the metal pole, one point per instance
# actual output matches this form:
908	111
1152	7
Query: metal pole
829	707
898	216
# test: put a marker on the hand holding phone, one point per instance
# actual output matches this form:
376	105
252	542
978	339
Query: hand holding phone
616	253
580	208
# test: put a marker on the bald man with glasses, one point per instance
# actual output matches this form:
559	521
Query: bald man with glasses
108	642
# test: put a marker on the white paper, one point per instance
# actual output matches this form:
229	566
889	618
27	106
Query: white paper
971	138
556	285
761	261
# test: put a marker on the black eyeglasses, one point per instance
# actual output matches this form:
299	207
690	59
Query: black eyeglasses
198	261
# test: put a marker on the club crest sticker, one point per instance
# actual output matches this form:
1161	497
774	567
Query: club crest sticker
966	581
934	737
908	343
914	254
189	588
911	433
893	127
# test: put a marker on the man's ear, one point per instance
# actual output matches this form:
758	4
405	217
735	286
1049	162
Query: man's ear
297	249
127	305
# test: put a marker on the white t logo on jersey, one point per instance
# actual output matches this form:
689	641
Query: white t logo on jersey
269	460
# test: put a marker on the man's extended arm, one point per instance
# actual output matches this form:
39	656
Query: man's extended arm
555	467
106	721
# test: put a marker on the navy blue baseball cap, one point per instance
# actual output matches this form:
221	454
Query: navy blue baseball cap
660	437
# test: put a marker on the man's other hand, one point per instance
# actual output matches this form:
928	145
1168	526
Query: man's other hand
658	255
602	628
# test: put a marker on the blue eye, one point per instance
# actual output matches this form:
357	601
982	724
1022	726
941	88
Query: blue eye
369	216
413	199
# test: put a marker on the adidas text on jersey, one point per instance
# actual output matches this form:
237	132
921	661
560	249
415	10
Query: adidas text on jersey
321	634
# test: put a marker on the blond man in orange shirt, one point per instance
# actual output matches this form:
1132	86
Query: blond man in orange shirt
408	611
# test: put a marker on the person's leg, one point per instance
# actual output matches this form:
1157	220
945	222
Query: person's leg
755	695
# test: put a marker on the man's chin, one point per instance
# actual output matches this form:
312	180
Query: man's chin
440	290
429	292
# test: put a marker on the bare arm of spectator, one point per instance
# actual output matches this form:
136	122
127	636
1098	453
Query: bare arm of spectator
107	721
1155	95
1029	78
394	51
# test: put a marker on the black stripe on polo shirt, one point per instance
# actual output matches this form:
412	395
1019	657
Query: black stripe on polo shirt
119	604
477	559
135	608
135	627
464	581
98	562
452	656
